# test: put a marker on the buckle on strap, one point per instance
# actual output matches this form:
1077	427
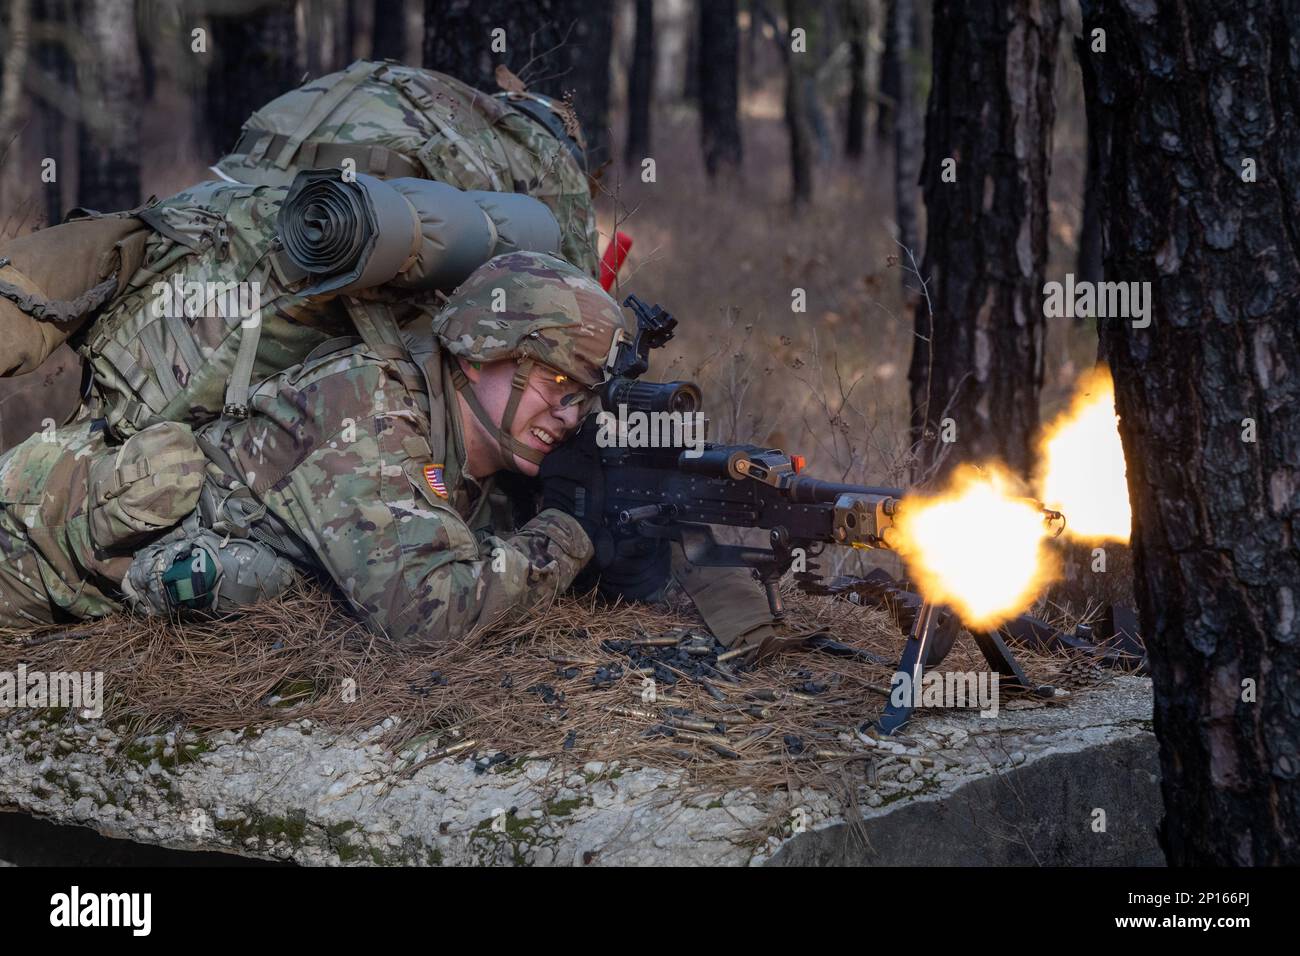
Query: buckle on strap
522	373
237	410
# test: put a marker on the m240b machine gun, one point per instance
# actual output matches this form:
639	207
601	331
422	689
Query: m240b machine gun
682	494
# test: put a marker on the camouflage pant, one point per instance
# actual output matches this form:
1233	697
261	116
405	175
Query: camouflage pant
50	571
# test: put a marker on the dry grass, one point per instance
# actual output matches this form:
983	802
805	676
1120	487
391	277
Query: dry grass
527	689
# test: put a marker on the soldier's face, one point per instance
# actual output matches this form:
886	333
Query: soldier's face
546	415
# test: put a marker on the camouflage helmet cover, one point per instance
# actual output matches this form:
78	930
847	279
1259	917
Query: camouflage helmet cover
531	305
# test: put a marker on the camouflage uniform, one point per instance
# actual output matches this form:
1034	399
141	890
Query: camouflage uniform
361	458
162	352
394	120
175	366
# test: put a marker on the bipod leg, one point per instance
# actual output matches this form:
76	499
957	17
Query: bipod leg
910	670
1002	660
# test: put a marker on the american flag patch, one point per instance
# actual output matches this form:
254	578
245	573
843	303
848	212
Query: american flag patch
433	475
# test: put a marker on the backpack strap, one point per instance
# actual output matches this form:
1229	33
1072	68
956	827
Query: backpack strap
355	75
376	160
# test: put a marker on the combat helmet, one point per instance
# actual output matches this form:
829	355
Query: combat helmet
537	310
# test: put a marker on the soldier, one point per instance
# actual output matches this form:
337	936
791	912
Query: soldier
378	471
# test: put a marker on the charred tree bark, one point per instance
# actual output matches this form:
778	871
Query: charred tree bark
1201	198
254	60
1089	263
719	66
980	361
640	85
389	30
797	121
855	16
557	47
108	139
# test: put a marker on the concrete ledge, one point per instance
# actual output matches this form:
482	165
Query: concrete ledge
1022	788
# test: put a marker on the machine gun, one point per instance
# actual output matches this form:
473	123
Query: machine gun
681	494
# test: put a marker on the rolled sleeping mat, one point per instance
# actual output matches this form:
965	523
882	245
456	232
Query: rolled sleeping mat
410	233
461	230
523	224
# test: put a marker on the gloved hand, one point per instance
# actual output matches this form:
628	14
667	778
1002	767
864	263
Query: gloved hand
573	481
639	570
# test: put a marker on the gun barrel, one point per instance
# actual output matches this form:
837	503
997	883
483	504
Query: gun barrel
804	490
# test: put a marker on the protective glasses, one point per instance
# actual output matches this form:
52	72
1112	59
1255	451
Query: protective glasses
560	391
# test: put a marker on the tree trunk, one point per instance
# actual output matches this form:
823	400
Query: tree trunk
557	47
980	362
14	71
691	81
108	139
1088	263
640	85
719	65
313	24
389	30
1201	198
889	63
907	140
855	17
254	60
797	121
54	60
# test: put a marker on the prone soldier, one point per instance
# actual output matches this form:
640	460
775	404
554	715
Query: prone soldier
377	471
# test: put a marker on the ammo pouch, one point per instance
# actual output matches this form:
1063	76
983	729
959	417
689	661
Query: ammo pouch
229	553
150	484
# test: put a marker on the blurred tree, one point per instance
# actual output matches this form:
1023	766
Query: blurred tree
857	25
888	77
108	138
1200	199
390	30
556	47
640	85
907	137
798	68
254	59
13	73
719	66
691	81
749	49
979	358
51	54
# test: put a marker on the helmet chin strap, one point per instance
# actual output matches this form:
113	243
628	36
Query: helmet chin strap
510	445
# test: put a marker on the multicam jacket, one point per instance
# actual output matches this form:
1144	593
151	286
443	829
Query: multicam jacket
364	459
361	457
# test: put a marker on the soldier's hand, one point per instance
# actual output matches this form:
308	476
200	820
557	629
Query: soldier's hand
638	571
573	481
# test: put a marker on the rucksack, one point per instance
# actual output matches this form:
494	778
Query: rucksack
392	120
